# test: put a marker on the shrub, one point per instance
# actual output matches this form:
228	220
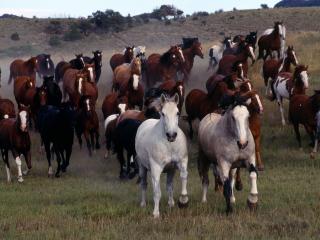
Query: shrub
15	36
84	26
54	27
54	41
73	34
264	6
167	22
109	20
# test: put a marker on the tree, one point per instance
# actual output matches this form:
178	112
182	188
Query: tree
264	6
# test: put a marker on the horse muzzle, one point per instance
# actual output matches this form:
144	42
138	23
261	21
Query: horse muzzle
171	137
242	146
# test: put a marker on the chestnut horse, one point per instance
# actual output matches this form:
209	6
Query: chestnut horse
227	62
288	84
60	69
113	103
273	41
24	90
14	137
118	58
7	109
272	67
133	89
23	68
164	67
124	72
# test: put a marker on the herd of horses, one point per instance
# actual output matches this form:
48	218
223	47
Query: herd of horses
142	111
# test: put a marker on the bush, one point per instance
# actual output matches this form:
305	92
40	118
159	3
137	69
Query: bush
73	34
200	14
15	36
109	20
264	6
54	27
167	22
166	11
85	27
54	41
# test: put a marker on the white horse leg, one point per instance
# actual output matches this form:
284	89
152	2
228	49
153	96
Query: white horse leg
155	176
183	167
224	169
170	176
315	149
8	173
282	111
268	88
143	185
233	174
18	162
253	196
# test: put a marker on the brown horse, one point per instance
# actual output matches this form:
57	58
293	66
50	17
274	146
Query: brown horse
172	87
87	124
14	137
303	110
227	63
60	69
124	72
189	55
118	58
113	103
273	41
133	89
164	67
272	67
24	90
7	109
23	68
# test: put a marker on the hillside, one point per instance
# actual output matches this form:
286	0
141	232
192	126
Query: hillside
155	34
298	3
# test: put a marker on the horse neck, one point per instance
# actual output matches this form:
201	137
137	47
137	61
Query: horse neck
298	87
242	57
189	54
286	65
31	63
127	58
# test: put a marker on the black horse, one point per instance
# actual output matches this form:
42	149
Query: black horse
53	90
78	62
45	66
97	60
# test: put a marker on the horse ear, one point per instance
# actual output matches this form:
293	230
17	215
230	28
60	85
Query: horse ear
162	99
176	98
307	67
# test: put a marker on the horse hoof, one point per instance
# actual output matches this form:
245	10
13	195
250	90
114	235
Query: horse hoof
143	204
106	155
252	206
183	201
156	215
132	175
229	210
238	185
26	172
20	179
312	155
57	175
138	180
260	168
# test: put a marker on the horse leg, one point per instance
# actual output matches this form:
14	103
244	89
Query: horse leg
87	137
143	184
92	135
190	127
259	162
183	167
297	131
121	160
224	169
48	154
97	138
170	176
79	133
16	156
203	169
311	134
253	196
68	155
155	177
232	176
5	158
58	154
281	110
238	183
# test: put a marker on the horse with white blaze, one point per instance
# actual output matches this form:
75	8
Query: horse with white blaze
162	146
227	142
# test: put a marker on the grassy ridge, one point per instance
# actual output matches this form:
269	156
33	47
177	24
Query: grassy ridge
89	202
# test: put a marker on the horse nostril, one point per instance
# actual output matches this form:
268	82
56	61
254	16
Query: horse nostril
174	135
242	145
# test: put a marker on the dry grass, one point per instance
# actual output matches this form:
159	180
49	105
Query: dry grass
89	202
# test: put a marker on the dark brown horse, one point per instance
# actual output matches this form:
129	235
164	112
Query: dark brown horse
87	124
60	69
118	58
97	61
164	67
14	137
226	64
273	41
78	62
133	89
114	103
272	67
172	87
23	68
7	109
24	90
45	66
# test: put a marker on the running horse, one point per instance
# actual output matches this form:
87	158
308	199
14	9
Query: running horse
45	66
164	67
118	58
272	40
23	68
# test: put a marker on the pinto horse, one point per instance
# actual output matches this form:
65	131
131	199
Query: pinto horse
78	62
118	58
23	68
164	67
45	66
288	84
272	41
272	67
14	137
97	61
227	62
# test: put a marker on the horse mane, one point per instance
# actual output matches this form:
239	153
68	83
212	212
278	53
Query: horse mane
165	58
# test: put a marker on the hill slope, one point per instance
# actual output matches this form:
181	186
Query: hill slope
298	3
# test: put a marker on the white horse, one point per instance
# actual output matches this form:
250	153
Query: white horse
227	142
288	84
161	145
140	52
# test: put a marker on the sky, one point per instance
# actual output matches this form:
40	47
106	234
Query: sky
80	8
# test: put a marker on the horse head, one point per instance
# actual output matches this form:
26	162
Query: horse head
128	53
41	96
97	56
197	49
79	58
136	66
291	55
250	52
170	116
300	76
29	83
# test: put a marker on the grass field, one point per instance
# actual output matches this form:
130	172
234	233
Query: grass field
89	201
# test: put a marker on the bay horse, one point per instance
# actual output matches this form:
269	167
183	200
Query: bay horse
60	69
229	133
78	62
7	109
162	146
271	67
227	62
164	67
273	41
171	87
87	124
133	89
288	84
304	110
56	127
118	58
45	65
113	103
24	90
97	61
23	68
124	72
14	137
